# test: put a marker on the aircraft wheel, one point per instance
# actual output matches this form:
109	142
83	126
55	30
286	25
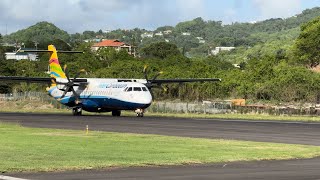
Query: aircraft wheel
77	111
116	113
139	114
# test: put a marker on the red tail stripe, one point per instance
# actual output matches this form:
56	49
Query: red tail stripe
54	60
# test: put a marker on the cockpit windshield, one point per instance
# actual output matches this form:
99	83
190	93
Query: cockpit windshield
129	89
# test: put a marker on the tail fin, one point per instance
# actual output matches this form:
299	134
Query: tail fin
55	68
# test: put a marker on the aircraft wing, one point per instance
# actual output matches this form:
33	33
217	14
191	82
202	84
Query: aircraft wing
166	81
45	80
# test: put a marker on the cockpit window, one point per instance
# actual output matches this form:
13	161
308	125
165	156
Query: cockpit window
129	89
136	89
144	89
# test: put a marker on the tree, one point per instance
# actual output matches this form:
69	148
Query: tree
107	55
307	45
161	50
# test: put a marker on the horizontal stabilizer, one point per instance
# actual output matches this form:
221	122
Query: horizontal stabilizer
43	51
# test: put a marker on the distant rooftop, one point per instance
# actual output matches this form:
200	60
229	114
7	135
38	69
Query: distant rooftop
109	43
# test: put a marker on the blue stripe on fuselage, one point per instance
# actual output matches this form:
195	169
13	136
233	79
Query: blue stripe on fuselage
94	102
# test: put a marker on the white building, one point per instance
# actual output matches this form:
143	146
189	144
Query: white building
21	55
186	34
158	34
218	49
147	35
167	32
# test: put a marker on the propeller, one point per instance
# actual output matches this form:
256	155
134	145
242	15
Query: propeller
150	82
68	86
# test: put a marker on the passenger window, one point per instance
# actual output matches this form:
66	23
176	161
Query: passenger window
136	89
144	89
129	89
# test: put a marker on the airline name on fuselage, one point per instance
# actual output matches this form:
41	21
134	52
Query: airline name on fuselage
116	85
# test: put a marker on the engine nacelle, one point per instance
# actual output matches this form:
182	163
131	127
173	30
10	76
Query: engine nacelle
61	80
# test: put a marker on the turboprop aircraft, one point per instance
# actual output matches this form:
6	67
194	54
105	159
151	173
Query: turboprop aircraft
98	94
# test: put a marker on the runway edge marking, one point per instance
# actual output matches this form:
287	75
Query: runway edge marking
10	178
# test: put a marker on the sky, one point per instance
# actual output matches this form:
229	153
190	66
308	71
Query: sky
80	15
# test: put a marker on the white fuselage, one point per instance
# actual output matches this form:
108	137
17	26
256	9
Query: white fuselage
103	95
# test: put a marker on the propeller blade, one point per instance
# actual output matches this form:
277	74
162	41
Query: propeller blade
65	69
77	75
64	93
165	89
157	75
145	72
76	95
145	68
53	81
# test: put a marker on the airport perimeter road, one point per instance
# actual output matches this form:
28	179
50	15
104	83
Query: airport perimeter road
265	131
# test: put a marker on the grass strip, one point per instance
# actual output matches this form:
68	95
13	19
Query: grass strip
35	149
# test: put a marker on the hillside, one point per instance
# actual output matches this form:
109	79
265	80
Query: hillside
194	38
272	55
42	32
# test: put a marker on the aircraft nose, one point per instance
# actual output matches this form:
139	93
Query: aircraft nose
147	98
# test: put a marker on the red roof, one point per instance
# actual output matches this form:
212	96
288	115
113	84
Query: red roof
109	43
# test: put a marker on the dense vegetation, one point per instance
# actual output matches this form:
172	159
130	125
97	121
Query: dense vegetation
275	58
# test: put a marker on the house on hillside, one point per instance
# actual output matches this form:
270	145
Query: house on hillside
201	40
147	35
167	32
22	55
116	44
159	33
218	49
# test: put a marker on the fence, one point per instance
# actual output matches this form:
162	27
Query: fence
206	107
198	108
32	96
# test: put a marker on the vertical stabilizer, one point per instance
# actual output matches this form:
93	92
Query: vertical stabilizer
55	68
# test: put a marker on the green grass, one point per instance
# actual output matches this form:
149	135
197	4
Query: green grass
32	149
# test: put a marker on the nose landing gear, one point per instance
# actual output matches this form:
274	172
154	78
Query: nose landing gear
139	112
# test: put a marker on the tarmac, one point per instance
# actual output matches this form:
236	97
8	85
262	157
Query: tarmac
262	131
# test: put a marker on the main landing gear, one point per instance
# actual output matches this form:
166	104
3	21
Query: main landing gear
116	113
139	112
77	111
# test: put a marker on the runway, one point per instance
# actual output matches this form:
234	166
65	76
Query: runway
265	131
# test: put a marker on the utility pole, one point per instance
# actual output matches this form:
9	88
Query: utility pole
36	44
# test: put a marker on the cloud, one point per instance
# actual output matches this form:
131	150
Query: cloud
190	9
276	8
229	15
80	15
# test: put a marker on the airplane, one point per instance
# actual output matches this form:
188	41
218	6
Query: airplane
98	94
